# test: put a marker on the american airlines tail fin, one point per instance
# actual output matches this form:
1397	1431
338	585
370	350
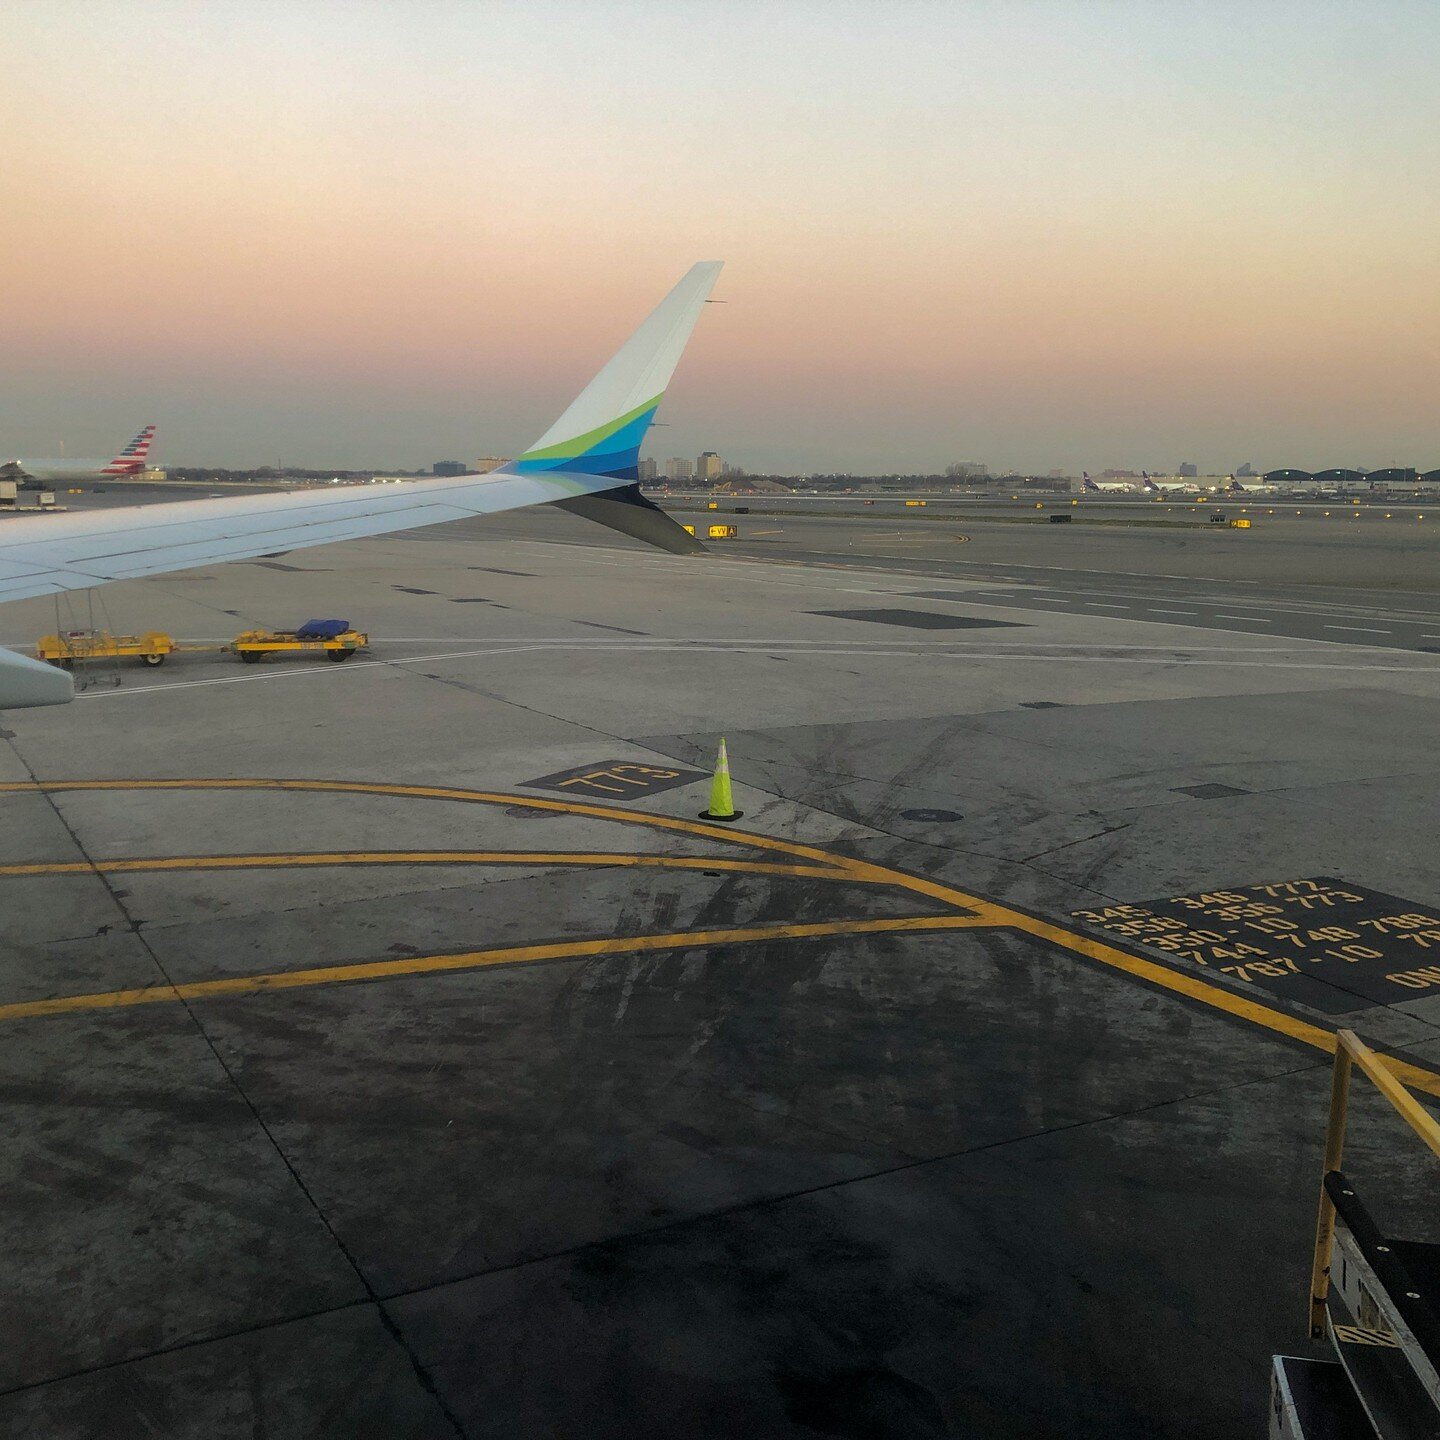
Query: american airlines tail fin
132	459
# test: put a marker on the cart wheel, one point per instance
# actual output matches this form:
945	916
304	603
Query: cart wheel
249	656
65	663
153	659
338	655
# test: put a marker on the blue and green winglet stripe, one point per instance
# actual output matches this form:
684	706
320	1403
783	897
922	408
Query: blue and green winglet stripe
612	449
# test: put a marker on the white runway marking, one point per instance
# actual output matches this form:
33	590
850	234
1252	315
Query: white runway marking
1359	630
581	642
815	648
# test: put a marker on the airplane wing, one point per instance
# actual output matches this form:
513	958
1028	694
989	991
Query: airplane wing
585	462
76	551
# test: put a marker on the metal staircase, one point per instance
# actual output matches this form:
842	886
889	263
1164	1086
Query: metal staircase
1374	1297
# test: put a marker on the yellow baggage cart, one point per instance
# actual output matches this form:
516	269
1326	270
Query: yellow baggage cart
79	645
254	645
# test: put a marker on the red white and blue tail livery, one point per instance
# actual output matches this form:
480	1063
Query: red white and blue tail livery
133	458
130	461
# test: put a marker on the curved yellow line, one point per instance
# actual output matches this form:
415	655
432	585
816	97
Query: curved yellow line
594	859
722	833
982	913
475	960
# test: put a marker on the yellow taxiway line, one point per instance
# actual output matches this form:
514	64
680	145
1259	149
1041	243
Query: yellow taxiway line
721	833
591	859
979	912
479	959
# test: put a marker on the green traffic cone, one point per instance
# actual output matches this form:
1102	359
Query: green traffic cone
722	802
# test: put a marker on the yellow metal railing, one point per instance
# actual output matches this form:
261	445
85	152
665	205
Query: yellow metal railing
1350	1050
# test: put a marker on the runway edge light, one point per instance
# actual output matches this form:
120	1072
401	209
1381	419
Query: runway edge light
722	802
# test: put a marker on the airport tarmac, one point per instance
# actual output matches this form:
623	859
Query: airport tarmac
392	1049
1354	548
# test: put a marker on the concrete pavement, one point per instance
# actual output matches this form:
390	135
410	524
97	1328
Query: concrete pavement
467	1105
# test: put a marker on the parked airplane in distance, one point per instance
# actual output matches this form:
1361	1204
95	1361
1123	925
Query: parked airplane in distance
1107	487
1251	485
1163	485
130	461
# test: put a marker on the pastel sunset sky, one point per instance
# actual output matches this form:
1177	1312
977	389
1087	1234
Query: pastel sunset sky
1039	233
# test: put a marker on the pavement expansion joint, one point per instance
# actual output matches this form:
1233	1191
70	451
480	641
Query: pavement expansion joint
879	1172
379	1300
1079	840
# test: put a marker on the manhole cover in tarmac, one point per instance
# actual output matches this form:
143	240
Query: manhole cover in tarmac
931	817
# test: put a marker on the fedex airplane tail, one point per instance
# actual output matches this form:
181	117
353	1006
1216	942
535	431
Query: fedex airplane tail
1088	483
132	459
1147	484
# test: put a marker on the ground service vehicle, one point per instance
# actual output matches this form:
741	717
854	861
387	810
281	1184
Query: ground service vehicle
65	649
334	638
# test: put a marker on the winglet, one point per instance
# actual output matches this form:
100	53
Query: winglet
602	430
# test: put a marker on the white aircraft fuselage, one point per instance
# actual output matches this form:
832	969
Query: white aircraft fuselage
130	461
57	469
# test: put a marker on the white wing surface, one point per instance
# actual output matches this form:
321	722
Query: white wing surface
44	554
592	450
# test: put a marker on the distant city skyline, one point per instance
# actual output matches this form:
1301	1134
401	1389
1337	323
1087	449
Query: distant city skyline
651	468
1055	233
